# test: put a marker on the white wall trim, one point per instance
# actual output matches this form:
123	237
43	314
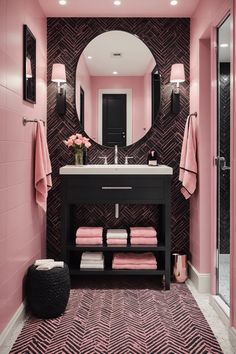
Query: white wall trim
129	121
201	281
18	317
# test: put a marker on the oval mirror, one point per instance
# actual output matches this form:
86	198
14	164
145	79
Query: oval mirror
117	89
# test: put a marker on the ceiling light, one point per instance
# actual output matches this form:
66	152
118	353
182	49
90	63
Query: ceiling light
174	2
115	72
62	2
117	2
89	57
224	45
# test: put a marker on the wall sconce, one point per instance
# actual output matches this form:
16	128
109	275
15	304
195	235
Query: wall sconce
59	76
177	75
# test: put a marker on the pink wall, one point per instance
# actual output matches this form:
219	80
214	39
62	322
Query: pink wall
124	82
22	224
203	205
83	79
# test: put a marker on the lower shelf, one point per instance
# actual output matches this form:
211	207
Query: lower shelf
117	272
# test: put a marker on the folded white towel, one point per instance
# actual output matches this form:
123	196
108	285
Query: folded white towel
42	261
50	265
92	266
117	233
93	256
100	262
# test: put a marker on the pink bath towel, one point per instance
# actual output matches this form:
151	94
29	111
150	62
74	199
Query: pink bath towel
116	241
133	266
142	231
88	241
43	169
91	231
134	258
143	241
188	168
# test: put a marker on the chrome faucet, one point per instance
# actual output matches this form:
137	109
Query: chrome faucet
116	155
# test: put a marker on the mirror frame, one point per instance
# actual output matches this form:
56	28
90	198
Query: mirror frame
29	51
155	90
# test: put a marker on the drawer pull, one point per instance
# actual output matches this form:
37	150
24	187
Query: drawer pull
117	188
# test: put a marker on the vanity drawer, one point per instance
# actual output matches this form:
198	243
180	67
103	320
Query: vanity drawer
115	189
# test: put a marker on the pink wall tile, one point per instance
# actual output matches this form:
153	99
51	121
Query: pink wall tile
22	223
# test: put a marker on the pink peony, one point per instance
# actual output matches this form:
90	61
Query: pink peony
70	142
79	136
87	144
73	137
78	142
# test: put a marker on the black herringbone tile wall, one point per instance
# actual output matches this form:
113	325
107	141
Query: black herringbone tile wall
168	40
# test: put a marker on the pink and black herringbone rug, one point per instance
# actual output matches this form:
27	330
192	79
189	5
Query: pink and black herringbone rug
122	316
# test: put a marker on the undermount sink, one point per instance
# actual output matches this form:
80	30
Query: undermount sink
116	169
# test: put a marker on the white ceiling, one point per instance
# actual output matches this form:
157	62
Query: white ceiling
128	8
135	55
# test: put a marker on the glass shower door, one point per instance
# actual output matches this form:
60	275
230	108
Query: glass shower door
223	161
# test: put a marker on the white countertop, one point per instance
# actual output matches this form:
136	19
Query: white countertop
116	170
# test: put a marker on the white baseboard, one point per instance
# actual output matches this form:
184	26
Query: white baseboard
17	318
232	337
201	281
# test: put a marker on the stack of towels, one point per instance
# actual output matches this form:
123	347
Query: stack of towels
92	260
134	261
117	237
143	236
89	236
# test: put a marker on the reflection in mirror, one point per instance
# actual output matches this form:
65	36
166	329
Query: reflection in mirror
120	84
29	65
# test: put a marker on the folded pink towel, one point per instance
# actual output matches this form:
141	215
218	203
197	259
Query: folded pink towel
43	169
134	258
134	266
188	167
143	241
117	241
89	231
88	241
142	232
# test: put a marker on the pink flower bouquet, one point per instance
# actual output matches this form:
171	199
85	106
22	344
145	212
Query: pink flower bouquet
77	141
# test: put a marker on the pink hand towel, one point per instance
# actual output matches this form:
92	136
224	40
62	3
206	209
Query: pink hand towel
134	266
142	232
116	241
143	241
134	258
89	231
188	168
88	241
43	169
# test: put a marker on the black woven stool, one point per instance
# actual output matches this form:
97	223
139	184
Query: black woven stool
47	291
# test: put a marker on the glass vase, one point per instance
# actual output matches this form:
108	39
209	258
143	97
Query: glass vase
79	157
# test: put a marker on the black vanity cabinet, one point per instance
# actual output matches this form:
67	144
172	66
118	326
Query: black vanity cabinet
114	189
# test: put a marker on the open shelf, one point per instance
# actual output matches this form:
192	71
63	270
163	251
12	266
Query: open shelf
117	272
115	248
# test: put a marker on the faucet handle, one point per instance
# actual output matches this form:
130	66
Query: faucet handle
127	159
105	159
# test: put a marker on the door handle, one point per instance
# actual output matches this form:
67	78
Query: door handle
220	161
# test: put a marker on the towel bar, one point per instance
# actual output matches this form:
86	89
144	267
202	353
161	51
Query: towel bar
25	121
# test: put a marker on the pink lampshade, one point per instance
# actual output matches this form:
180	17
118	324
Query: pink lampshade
58	73
177	73
28	68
